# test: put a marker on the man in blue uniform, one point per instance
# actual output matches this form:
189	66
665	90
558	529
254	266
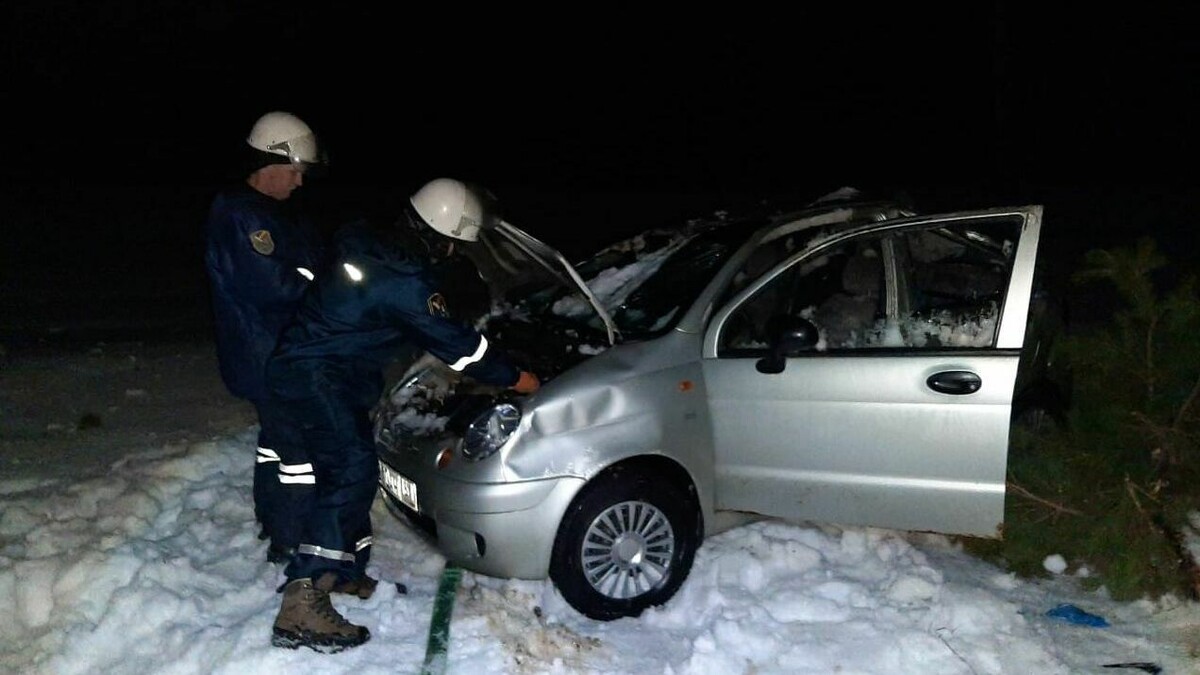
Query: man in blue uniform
260	256
377	297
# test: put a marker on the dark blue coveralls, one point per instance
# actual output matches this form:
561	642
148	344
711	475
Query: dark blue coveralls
375	300
260	256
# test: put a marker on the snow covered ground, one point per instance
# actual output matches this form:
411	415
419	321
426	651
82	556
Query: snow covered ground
127	545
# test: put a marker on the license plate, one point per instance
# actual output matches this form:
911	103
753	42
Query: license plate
398	486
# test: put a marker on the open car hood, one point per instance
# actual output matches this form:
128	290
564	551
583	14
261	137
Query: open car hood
508	257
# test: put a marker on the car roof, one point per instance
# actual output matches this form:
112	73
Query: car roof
824	213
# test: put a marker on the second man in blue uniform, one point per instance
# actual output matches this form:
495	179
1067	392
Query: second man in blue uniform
375	299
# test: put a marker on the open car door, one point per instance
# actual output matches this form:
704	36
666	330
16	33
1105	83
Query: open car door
899	415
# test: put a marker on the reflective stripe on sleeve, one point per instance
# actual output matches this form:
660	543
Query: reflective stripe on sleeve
465	361
363	543
265	455
309	549
306	273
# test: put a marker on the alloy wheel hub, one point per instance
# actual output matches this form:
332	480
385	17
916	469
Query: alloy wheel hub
627	550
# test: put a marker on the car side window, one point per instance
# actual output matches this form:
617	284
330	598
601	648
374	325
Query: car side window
948	285
954	278
840	289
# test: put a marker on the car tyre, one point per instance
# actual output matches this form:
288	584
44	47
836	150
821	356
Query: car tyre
626	543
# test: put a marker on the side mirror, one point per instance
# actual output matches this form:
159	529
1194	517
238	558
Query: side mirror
789	336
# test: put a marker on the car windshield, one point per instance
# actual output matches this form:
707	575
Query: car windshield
646	283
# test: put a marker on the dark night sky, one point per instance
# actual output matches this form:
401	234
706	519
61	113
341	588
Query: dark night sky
123	116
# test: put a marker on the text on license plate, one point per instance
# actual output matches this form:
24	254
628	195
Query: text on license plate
398	486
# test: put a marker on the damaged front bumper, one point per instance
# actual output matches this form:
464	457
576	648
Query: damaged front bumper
497	529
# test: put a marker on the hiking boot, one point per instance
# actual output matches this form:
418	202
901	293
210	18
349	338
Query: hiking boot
363	587
307	619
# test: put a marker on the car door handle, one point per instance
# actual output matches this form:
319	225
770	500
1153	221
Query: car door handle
956	382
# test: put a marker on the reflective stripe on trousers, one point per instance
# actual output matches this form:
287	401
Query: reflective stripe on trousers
310	549
297	474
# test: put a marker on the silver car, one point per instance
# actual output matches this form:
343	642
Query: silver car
848	362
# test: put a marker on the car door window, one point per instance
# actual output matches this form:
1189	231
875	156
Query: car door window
934	288
952	281
839	288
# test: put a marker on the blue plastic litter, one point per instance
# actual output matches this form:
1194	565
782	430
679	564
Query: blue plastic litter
1073	614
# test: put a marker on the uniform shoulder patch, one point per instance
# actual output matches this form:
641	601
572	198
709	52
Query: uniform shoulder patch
262	242
437	305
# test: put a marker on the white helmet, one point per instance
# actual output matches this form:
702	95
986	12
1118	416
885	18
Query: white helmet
453	208
281	133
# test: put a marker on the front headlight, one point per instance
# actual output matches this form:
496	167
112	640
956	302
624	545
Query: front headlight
490	430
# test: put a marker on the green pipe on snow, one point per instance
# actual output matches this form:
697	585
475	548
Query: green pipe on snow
439	625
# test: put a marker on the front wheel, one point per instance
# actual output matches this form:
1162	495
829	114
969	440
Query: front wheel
626	543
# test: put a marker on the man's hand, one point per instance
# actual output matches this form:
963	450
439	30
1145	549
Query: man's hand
527	383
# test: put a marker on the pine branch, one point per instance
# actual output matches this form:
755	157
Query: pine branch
1017	489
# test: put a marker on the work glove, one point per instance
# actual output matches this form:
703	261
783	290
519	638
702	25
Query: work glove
527	383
